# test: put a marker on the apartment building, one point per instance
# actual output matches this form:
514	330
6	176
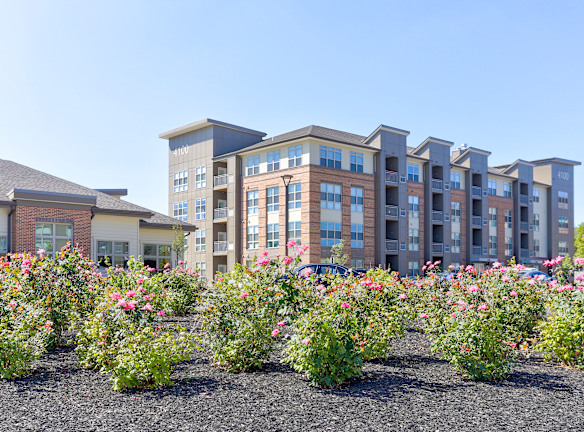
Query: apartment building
394	205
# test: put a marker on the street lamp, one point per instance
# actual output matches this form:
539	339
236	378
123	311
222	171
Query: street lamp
286	179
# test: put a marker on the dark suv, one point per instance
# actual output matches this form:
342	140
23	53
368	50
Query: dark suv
322	270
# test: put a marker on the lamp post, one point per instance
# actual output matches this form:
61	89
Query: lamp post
286	179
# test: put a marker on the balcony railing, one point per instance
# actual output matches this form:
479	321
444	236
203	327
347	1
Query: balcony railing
476	250
436	216
220	213
220	180
391	245
524	226
476	221
523	199
437	248
436	184
391	177
476	192
524	253
220	246
391	210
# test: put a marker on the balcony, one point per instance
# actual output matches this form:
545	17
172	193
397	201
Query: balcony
436	184
476	192
391	177
220	181
437	248
524	226
476	221
524	253
523	200
391	245
220	214
437	216
391	211
220	246
477	250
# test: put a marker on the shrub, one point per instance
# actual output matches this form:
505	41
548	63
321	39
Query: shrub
125	338
562	332
477	320
241	310
181	288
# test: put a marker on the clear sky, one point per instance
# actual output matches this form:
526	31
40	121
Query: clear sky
87	86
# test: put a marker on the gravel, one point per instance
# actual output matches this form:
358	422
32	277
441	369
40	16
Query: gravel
412	391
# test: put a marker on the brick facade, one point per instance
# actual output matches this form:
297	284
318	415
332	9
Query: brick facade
25	219
310	177
501	204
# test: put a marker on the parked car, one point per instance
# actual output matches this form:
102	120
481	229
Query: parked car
322	270
534	273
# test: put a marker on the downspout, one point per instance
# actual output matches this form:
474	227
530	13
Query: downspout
9	236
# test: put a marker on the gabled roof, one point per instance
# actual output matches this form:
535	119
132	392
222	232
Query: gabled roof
467	151
14	176
311	131
556	160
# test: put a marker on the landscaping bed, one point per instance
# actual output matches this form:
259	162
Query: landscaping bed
413	390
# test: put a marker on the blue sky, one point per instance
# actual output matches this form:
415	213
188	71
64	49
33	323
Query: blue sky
86	87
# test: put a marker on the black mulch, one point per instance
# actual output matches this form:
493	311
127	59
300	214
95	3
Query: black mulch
413	391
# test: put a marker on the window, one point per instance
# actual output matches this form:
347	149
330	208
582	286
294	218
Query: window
492	185
156	255
3	245
294	156
562	222
294	231
252	236
330	196
200	240
536	246
454	211
253	165
535	194
562	248
201	267
413	172
414	239
493	216
53	236
274	160
536	222
357	199
112	253
273	199
492	245
253	201
508	246
414	206
330	157
507	190
562	200
356	236
454	180
294	193
181	181
330	233
413	268
357	263
181	211
200	177
508	219
356	162
273	235
200	208
455	242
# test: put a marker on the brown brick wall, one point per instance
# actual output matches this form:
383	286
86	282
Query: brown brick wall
24	226
311	176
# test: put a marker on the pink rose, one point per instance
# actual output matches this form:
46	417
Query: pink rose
243	295
140	281
306	341
275	332
281	324
291	243
148	307
345	305
423	316
115	296
130	293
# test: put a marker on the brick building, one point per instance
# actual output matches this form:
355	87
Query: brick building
41	211
396	206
